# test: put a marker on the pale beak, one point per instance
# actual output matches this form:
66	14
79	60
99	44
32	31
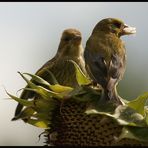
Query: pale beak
127	30
77	37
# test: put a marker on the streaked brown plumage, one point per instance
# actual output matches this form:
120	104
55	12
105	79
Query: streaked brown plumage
70	48
105	55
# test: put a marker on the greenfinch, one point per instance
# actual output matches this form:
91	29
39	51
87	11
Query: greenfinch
70	48
105	55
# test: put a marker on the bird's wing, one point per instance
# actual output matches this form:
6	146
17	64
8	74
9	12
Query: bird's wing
101	72
116	70
96	67
48	65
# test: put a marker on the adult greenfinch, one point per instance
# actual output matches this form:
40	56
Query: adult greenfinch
105	55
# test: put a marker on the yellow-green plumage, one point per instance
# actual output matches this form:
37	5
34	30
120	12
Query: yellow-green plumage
105	56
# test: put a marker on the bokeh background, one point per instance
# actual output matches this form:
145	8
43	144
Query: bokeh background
30	34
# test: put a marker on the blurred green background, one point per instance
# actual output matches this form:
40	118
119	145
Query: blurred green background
30	34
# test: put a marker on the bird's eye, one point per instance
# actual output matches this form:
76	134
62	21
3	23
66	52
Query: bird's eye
118	25
67	39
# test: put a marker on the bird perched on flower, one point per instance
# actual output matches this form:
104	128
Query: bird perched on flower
105	55
70	48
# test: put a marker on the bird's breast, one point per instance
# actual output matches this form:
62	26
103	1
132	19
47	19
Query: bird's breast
106	46
65	73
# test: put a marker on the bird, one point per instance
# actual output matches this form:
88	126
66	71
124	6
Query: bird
70	48
105	56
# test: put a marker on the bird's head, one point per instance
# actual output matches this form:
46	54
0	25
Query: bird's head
113	25
70	42
71	36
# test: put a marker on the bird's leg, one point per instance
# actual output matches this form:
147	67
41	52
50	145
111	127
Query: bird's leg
111	96
114	97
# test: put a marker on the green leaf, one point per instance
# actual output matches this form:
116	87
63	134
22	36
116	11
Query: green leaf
32	85
80	76
60	88
45	106
38	123
38	79
41	116
139	103
56	87
76	92
21	101
26	113
137	133
84	94
45	93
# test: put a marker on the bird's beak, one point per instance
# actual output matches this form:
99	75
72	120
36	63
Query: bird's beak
77	37
127	30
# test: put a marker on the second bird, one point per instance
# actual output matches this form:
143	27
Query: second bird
70	48
105	55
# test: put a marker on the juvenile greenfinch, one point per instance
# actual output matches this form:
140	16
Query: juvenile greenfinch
70	48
